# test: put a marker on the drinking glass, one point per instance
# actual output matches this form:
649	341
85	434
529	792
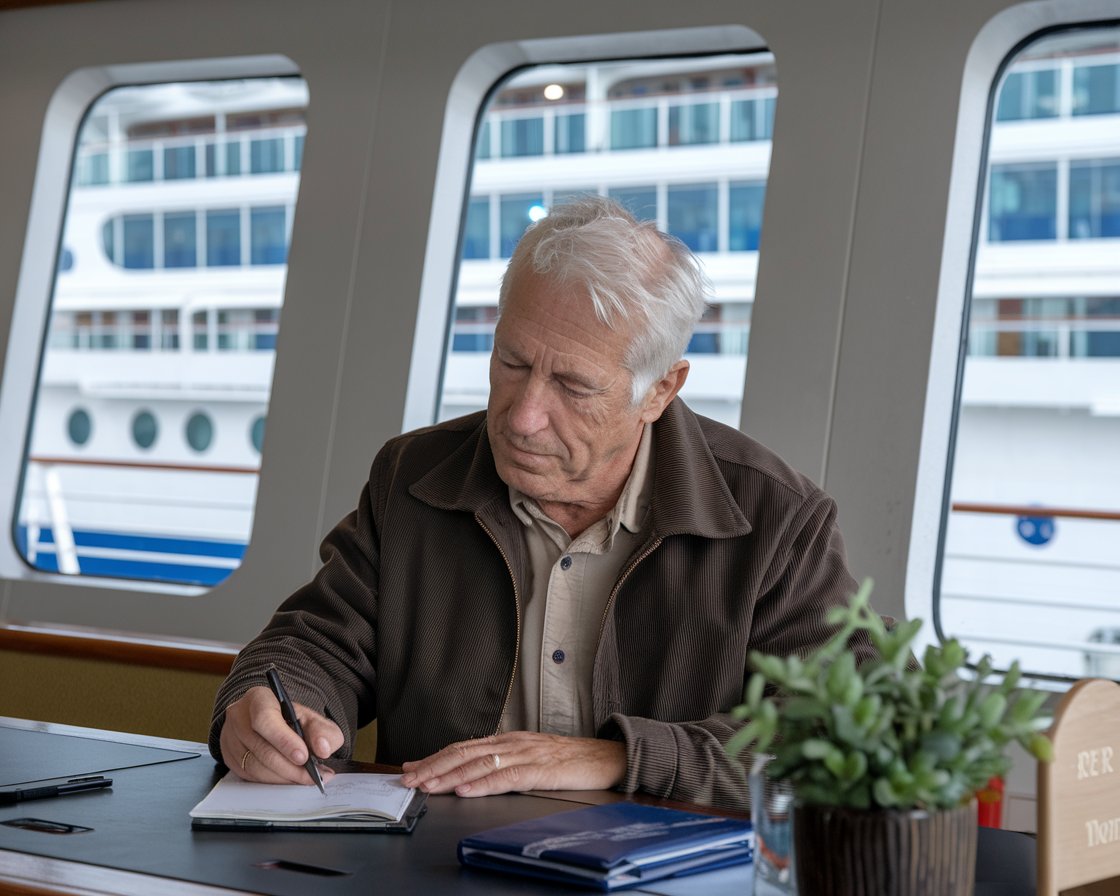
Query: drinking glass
772	816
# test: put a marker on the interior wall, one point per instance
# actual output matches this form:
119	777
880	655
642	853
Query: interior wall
853	284
115	696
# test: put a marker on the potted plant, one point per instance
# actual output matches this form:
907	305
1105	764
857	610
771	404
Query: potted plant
885	757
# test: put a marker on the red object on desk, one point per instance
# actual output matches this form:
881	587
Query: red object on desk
989	804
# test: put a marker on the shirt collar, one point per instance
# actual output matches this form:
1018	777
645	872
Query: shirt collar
632	505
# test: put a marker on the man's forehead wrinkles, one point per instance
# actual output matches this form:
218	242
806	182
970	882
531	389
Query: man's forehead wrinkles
563	355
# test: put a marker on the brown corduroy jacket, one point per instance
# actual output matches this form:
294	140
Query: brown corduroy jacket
414	617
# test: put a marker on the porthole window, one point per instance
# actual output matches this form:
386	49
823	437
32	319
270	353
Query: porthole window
200	431
145	429
256	434
166	190
709	120
79	426
1028	565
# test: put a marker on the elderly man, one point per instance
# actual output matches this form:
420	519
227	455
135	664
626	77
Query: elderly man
558	593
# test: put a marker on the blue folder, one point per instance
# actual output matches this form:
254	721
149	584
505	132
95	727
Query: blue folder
611	847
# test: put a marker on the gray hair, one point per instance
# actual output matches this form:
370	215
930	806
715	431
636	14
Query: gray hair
630	269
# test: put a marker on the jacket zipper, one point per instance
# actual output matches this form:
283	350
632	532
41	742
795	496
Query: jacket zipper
517	636
618	586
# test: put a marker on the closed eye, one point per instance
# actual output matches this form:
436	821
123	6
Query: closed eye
576	388
511	365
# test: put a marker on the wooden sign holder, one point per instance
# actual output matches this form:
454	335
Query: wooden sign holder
1079	792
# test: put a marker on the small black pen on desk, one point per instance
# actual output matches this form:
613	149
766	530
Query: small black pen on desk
289	711
74	785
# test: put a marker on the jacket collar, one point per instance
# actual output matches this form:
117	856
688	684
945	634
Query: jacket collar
690	495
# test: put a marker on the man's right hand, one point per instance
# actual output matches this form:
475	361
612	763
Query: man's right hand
260	746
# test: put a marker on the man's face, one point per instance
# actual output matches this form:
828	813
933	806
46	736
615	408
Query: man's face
560	419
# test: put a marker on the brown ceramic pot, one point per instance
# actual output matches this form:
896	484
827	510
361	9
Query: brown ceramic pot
849	852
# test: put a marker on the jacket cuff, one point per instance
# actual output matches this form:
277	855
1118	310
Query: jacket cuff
238	684
652	753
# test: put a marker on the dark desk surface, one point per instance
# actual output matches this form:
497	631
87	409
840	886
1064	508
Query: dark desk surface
140	830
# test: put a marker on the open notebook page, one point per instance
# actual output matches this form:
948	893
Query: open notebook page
347	796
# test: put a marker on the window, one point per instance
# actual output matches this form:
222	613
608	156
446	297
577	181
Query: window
199	432
693	123
200	331
634	128
245	329
1028	566
474	329
145	429
571	133
1029	94
1096	89
1094	199
476	232
268	236
223	238
139	241
180	249
745	203
232	157
641	202
79	426
694	216
1024	202
220	230
167	336
179	162
93	169
522	137
266	156
160	301
140	165
752	119
482	144
256	434
701	185
516	213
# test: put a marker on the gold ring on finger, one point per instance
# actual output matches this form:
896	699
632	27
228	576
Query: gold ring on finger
245	758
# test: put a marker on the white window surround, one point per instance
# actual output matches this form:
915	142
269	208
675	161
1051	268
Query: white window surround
32	306
465	105
996	43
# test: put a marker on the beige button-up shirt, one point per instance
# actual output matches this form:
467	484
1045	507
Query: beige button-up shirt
565	599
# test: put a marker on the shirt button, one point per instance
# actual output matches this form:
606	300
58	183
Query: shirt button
558	656
565	562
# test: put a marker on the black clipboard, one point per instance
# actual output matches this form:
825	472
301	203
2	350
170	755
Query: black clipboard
28	756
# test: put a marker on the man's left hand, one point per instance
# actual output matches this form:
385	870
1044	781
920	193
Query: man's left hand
519	760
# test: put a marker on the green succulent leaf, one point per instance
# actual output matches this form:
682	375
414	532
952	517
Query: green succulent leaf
817	748
992	709
884	794
1041	747
886	732
802	709
755	688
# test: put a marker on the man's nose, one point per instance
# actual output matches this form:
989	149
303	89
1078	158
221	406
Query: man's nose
528	413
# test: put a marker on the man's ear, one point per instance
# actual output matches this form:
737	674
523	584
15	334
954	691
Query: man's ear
664	391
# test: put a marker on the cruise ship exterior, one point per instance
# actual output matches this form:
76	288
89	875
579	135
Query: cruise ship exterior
153	394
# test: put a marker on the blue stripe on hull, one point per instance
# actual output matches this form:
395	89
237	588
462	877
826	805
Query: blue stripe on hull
201	547
163	570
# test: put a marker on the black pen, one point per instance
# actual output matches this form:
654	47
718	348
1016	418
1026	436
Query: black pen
74	785
289	712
